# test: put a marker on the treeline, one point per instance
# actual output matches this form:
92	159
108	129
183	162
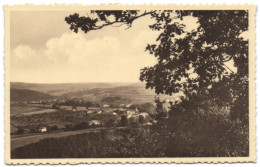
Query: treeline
75	102
115	100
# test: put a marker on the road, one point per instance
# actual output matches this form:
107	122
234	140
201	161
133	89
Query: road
24	140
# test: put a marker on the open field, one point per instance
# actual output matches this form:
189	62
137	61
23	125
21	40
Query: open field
41	111
28	109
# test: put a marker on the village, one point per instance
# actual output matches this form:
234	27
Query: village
73	114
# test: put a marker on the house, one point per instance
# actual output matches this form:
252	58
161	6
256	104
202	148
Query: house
132	112
90	111
149	123
114	113
81	108
99	112
122	109
108	111
105	106
167	107
145	116
94	108
122	105
94	122
43	129
66	108
74	108
128	105
154	122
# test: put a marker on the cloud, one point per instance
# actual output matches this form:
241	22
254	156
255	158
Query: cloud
75	49
24	51
75	58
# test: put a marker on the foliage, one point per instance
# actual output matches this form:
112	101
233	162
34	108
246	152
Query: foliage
115	100
82	125
124	121
160	111
77	102
147	108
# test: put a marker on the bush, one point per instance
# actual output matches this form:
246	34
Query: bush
54	128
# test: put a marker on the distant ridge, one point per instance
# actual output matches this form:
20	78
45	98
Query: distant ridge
63	88
98	92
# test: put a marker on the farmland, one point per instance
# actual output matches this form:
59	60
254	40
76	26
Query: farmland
28	109
89	109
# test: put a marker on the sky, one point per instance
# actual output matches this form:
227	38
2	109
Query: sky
44	50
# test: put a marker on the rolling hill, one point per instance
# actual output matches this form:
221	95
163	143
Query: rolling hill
21	95
62	88
125	92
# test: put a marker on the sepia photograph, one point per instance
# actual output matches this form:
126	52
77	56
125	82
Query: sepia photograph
129	84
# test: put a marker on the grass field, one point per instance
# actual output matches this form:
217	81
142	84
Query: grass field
47	110
28	109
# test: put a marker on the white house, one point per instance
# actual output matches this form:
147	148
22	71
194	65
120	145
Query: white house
132	112
90	111
122	105
128	105
149	123
105	106
145	115
94	122
114	113
43	129
99	112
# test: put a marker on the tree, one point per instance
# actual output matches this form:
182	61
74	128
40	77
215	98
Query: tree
54	128
55	106
160	112
147	107
141	119
111	122
124	121
188	61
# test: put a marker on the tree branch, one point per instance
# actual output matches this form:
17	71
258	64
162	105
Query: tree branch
123	22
